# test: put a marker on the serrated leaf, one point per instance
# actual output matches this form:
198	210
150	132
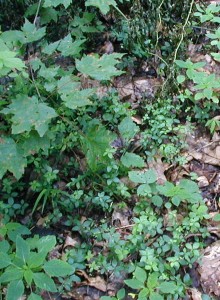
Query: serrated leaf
31	32
132	160
22	249
55	3
34	143
51	48
148	176
28	113
134	284
168	287
140	274
95	143
100	68
15	290
78	98
44	282
10	274
36	260
127	128
69	48
4	260
11	158
103	5
56	267
67	85
46	243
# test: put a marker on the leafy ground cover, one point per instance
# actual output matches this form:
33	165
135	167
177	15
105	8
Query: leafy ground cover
109	149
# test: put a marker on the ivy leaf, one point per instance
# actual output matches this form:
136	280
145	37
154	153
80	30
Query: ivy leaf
56	267
11	158
132	160
31	32
55	3
103	5
28	113
15	290
100	68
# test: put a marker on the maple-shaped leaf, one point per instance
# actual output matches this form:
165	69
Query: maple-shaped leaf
55	3
11	158
95	142
31	32
100	68
103	5
78	98
28	113
34	143
69	48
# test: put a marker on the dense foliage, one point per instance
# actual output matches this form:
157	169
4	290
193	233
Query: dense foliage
68	152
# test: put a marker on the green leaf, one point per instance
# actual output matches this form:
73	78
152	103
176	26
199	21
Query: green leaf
94	144
67	85
180	78
22	249
216	218
144	190
36	259
100	68
28	276
56	267
132	160
46	244
78	98
44	282
51	48
33	143
11	158
157	201
55	3
134	284
152	281
168	287
103	5
11	273
143	294
121	294
34	297
4	246
69	48
156	296
31	32
15	290
4	260
28	113
140	274
127	128
148	177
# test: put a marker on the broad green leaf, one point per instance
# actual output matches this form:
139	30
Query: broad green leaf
168	287
4	246
152	281
156	296
134	283
31	32
15	229
55	3
34	297
69	48
28	113
103	5
34	143
67	85
4	260
15	290
36	259
121	294
157	200
132	160
11	273
95	142
180	78
216	218
127	128
216	56
46	243
144	190
140	274
28	276
9	61
143	294
148	177
78	98
22	249
51	48
44	282
100	68
11	158
56	267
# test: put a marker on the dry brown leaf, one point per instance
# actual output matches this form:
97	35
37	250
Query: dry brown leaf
195	294
159	167
70	242
120	215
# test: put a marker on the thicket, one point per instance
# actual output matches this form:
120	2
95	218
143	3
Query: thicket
68	155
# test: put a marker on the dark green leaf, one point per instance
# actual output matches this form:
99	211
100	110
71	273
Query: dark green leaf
44	282
56	267
15	290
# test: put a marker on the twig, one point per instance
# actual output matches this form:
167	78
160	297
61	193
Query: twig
37	12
